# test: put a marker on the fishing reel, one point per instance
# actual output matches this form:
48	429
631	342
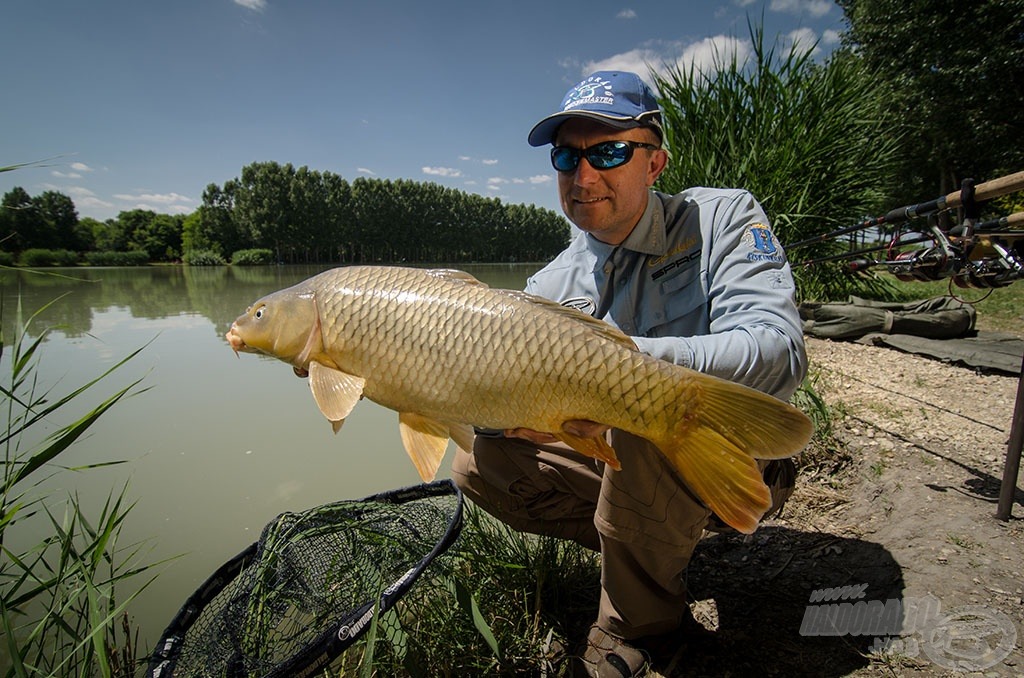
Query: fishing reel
930	263
982	254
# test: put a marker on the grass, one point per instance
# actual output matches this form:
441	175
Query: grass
962	542
59	607
499	603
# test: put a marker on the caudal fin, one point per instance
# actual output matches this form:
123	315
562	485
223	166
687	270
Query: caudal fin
715	447
723	476
762	426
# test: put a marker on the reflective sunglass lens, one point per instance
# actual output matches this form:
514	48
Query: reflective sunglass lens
565	159
609	154
602	156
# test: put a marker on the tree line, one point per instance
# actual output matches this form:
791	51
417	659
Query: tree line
304	215
300	216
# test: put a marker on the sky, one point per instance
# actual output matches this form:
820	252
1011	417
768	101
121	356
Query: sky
142	104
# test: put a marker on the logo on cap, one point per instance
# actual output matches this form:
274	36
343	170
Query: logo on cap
591	91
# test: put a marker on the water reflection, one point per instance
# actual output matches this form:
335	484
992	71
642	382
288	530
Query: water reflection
217	446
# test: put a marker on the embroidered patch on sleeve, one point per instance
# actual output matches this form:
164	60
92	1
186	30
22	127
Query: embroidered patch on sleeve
762	244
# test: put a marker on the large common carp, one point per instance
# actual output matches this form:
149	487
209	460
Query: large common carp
445	351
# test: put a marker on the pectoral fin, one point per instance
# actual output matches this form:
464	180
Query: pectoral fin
463	436
598	448
335	392
425	441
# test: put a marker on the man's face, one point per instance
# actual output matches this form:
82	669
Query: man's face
607	203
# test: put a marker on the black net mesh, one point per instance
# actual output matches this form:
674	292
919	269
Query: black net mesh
310	586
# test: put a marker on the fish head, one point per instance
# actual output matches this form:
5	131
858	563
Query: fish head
284	325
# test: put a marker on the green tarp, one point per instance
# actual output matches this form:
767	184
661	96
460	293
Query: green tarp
938	318
994	351
940	328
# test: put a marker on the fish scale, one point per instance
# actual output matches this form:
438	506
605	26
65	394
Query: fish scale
447	353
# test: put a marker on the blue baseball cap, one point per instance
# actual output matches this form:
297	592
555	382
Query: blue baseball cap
615	98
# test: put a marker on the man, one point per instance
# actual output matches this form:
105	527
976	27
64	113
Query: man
695	278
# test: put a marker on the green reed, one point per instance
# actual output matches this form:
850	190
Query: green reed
59	612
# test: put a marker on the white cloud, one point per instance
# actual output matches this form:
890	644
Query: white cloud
363	170
173	209
636	60
626	14
76	191
80	167
63	175
701	55
443	171
831	37
92	202
705	54
803	39
158	198
816	8
254	5
488	161
495	182
465	157
538	179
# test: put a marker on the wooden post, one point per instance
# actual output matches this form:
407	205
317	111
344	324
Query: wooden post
1013	449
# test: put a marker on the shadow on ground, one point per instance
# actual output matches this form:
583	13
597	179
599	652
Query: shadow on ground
762	585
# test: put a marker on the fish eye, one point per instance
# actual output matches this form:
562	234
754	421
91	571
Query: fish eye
259	312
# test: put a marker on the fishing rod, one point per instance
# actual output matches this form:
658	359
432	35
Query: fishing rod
975	253
968	195
982	254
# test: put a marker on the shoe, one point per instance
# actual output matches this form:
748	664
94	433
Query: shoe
608	656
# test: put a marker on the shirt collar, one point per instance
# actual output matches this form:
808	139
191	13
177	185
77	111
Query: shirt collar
647	237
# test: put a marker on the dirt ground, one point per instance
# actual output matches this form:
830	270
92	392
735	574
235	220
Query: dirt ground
905	517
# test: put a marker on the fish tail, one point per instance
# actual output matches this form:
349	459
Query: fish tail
715	446
725	478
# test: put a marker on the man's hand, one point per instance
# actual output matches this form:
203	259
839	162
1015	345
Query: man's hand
581	428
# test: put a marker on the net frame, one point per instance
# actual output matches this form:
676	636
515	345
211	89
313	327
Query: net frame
214	632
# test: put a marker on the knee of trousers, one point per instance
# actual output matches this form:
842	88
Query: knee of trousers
486	475
646	503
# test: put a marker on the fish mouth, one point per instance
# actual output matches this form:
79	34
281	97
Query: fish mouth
235	340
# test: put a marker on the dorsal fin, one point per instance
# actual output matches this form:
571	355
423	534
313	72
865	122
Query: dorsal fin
598	326
454	275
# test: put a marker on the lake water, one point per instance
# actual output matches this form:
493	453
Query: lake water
218	445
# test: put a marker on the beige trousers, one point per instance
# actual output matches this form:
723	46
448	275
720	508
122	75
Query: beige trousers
643	519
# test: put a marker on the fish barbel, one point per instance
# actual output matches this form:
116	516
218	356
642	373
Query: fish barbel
447	352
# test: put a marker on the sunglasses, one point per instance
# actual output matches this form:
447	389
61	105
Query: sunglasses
602	156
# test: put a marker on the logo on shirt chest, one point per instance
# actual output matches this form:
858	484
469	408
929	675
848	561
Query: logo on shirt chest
678	257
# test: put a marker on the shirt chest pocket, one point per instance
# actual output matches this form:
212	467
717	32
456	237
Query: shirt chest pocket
676	306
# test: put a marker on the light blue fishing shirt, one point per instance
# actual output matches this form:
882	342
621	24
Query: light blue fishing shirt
701	281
